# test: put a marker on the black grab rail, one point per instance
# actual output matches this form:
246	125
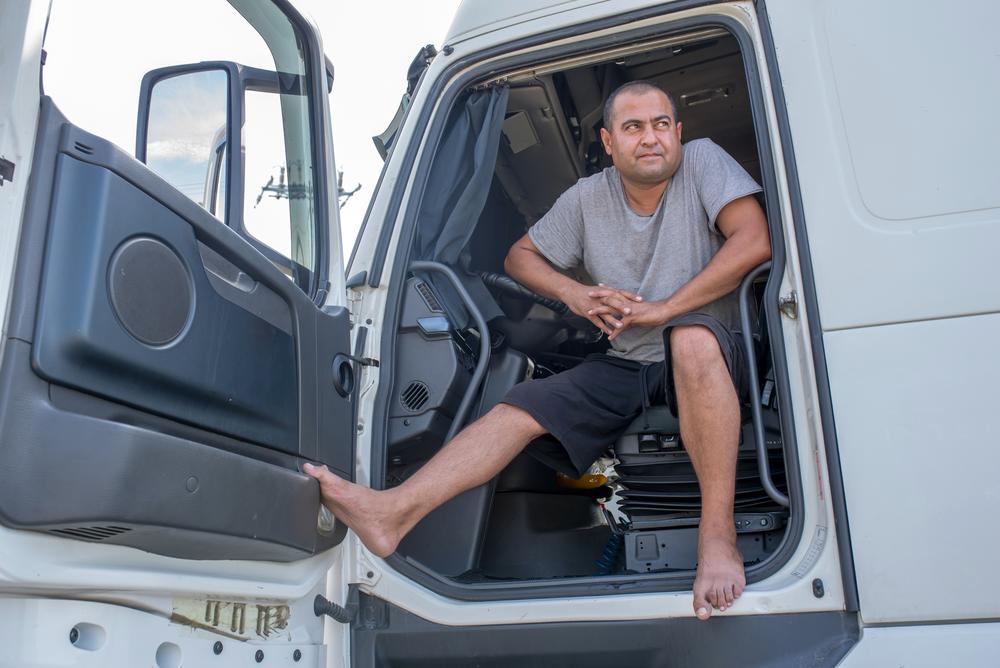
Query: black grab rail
758	420
484	341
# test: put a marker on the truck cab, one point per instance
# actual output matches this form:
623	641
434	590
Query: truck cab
181	335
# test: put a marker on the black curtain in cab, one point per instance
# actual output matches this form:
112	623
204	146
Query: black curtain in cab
456	192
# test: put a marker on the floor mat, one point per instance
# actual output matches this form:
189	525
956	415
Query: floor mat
534	535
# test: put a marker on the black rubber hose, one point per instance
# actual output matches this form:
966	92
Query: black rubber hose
343	614
507	284
609	557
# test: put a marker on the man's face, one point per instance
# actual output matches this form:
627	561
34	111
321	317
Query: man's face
643	139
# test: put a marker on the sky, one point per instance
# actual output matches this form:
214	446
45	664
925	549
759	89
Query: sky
371	45
98	51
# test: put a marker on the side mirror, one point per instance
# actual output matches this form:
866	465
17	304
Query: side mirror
385	140
189	116
329	74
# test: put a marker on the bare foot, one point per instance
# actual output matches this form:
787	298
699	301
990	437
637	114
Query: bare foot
370	514
720	578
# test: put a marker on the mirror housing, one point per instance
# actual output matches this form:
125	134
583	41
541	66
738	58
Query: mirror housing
385	140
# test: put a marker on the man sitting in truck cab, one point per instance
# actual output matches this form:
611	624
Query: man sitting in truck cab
669	232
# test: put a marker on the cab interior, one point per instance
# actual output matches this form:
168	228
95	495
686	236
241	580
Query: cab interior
637	513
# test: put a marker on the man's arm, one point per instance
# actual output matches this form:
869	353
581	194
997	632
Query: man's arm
747	244
526	264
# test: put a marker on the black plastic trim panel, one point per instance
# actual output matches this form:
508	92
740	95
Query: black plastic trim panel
385	636
204	377
62	471
604	584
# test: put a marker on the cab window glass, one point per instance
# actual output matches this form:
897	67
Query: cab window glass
278	207
277	138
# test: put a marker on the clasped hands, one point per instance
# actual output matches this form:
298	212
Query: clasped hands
614	311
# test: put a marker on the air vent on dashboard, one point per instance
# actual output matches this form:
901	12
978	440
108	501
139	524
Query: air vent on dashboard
414	396
91	533
83	148
429	298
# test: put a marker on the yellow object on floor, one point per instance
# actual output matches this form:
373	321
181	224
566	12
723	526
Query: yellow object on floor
586	481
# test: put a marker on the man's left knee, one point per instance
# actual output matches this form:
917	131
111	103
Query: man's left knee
694	349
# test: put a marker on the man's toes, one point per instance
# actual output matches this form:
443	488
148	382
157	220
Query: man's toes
320	472
728	592
720	598
329	483
737	590
702	608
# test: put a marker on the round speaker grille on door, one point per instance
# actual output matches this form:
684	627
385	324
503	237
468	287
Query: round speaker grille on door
151	291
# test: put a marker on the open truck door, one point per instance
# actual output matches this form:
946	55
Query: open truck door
165	370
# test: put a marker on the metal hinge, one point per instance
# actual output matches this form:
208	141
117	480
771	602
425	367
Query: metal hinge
321	294
365	571
354	298
6	171
789	305
364	361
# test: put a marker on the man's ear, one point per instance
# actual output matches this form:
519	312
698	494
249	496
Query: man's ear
680	126
606	140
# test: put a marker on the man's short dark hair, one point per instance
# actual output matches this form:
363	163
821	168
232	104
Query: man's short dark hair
638	86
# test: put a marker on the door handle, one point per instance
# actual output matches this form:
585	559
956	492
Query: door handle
343	374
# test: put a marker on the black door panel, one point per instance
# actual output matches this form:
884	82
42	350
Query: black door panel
70	474
104	286
163	380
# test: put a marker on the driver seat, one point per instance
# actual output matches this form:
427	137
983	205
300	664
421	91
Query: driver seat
656	476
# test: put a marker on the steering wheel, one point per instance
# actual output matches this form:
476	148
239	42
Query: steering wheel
509	286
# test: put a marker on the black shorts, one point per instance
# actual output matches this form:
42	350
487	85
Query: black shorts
586	409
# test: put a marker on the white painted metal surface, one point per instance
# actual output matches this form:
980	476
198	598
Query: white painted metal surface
966	645
45	633
901	204
916	406
21	31
476	18
891	107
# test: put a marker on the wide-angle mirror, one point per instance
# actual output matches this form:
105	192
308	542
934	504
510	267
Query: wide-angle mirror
186	132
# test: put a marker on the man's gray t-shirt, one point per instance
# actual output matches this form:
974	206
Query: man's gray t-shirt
592	225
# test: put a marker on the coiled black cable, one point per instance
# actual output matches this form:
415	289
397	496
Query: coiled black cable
609	557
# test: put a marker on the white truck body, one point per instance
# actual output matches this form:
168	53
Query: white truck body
887	202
